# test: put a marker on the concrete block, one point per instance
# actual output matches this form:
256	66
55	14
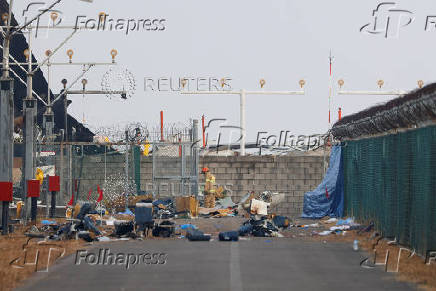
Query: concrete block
231	170
259	176
237	176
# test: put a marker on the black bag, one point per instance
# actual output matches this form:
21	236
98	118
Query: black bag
229	236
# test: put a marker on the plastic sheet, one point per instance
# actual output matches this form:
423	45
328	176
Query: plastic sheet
328	198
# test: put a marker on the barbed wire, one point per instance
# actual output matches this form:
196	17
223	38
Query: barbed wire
410	110
141	132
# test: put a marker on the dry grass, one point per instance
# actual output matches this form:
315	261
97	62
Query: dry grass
411	268
18	254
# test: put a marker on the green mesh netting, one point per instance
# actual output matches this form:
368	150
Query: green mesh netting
391	180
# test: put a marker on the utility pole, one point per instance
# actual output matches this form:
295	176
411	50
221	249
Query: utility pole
29	116
242	98
47	127
6	125
7	112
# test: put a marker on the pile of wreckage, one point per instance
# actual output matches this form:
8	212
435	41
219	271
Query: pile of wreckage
146	216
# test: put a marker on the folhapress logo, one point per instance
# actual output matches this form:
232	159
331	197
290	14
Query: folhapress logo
53	18
127	25
388	20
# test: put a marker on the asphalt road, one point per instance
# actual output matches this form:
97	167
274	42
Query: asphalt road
254	264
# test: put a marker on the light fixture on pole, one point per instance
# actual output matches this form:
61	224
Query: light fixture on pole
242	96
114	53
380	84
70	54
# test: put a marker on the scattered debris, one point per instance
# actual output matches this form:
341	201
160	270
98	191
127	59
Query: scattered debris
228	236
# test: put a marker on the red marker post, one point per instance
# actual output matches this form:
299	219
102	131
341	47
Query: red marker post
6	197
202	130
54	185
33	191
161	126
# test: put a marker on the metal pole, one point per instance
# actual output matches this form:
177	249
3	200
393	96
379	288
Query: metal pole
195	156
7	42
53	205
127	169
6	137
5	217
161	126
70	172
29	112
242	94
242	122
393	93
62	172
6	121
202	130
48	132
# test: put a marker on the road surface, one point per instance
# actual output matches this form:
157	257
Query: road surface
254	264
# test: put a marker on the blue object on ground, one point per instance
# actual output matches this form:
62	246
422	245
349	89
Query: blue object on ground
188	226
328	198
143	213
48	222
348	221
245	229
84	210
89	225
127	212
281	221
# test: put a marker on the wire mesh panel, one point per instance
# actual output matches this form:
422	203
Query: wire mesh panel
175	169
391	180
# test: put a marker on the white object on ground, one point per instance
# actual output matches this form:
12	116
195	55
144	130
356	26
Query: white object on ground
259	207
341	227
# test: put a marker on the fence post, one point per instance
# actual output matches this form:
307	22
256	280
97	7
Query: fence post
195	152
127	169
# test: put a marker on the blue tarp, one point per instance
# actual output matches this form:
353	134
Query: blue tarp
328	198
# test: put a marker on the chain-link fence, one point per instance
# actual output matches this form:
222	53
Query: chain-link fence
164	169
118	169
175	169
391	180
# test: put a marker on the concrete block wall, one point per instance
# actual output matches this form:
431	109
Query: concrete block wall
292	175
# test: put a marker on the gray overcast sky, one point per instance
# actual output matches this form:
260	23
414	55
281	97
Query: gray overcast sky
281	41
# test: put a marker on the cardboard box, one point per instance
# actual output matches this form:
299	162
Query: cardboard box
188	203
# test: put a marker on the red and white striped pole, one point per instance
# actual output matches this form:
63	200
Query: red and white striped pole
330	87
